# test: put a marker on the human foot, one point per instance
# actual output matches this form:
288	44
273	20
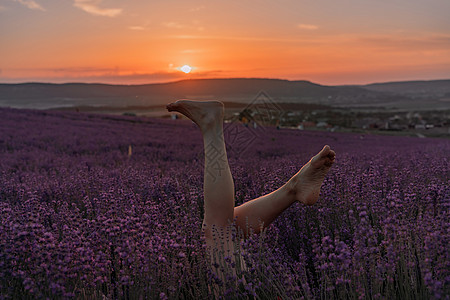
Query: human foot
203	113
305	185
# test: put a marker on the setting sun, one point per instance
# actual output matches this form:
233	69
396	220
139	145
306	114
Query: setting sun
186	69
146	42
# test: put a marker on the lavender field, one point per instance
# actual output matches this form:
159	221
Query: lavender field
97	206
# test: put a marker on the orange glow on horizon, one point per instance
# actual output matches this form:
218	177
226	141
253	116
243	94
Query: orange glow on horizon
122	45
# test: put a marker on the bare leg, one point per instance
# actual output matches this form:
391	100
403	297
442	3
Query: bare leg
303	187
218	187
218	182
259	213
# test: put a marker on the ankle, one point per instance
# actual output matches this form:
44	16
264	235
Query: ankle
214	128
291	187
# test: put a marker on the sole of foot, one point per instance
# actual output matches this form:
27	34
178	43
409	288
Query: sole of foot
202	113
305	185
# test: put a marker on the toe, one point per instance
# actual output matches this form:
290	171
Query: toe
324	158
324	152
332	154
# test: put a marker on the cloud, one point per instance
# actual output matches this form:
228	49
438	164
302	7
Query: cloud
136	27
191	51
82	70
92	7
2	8
140	27
111	76
144	78
411	43
31	4
241	38
308	26
174	25
197	8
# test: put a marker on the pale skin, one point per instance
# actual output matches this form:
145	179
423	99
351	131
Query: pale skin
303	187
252	216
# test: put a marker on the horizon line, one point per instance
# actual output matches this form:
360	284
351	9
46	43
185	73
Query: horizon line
216	78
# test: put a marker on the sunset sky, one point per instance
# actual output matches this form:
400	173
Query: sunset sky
135	41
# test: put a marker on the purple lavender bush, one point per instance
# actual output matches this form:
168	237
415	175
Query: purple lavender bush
96	206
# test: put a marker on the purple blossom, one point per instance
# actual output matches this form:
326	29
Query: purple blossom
79	215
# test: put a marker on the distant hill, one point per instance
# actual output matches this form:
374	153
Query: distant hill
433	88
45	95
184	88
